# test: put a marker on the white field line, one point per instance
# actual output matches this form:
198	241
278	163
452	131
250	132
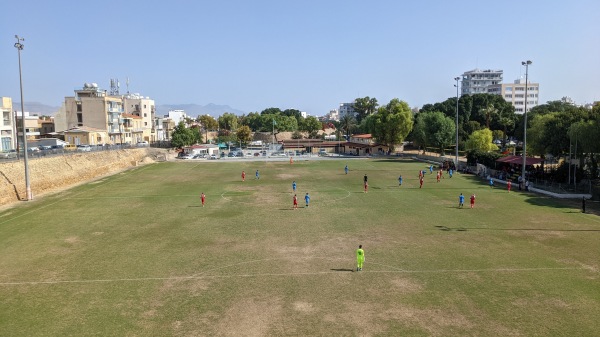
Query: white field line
200	277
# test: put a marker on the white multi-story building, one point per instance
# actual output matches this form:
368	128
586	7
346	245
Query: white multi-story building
346	109
7	125
176	116
477	81
514	93
333	115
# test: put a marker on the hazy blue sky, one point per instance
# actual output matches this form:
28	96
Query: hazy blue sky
308	55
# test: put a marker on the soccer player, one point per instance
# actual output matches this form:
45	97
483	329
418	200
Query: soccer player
450	173
421	182
307	199
294	186
438	176
420	174
346	169
257	176
366	187
461	201
295	202
472	200
243	175
203	198
400	180
508	185
360	258
491	182
430	169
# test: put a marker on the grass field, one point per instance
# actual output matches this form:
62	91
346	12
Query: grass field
135	254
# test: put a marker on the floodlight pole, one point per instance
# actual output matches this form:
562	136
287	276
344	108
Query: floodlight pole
526	64
456	85
29	196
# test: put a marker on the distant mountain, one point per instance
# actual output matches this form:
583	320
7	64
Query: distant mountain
36	108
195	110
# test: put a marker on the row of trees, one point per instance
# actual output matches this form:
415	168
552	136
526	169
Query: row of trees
556	128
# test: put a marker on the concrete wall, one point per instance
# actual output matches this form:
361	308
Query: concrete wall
57	173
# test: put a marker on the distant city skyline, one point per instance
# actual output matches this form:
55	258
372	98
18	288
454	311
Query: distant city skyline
309	55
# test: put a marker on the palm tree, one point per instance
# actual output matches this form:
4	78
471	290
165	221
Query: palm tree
347	123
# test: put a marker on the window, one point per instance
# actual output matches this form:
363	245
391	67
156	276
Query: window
508	89
519	95
79	118
145	123
79	108
508	96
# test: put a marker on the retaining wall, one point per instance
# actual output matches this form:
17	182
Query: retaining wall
50	174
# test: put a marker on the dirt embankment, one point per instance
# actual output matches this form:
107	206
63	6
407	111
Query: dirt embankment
51	174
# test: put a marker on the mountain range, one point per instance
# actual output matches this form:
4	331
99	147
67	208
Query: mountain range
192	110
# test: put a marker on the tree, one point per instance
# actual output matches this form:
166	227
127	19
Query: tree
481	140
182	136
208	122
434	129
364	107
347	124
228	121
391	124
271	111
311	125
244	134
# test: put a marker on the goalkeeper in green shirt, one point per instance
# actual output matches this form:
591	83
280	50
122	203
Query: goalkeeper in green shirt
360	258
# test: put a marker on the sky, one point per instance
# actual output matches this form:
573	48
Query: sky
306	55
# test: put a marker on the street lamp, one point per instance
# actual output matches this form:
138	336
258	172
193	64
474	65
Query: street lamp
19	47
526	64
456	85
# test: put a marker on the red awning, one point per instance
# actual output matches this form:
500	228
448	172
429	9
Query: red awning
518	160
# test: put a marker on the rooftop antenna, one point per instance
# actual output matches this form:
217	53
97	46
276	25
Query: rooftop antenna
127	83
114	87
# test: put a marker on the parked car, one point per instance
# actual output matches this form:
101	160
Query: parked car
84	148
8	154
142	144
212	156
186	156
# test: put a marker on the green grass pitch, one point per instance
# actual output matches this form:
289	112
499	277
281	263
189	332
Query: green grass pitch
136	254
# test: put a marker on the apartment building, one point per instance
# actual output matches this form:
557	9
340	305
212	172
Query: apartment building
129	118
8	132
477	81
346	109
144	108
33	126
514	93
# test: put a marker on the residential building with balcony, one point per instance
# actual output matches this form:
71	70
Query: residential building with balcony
32	126
8	139
514	93
143	107
476	81
94	108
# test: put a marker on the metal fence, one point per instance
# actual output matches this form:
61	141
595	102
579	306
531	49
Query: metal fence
34	154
